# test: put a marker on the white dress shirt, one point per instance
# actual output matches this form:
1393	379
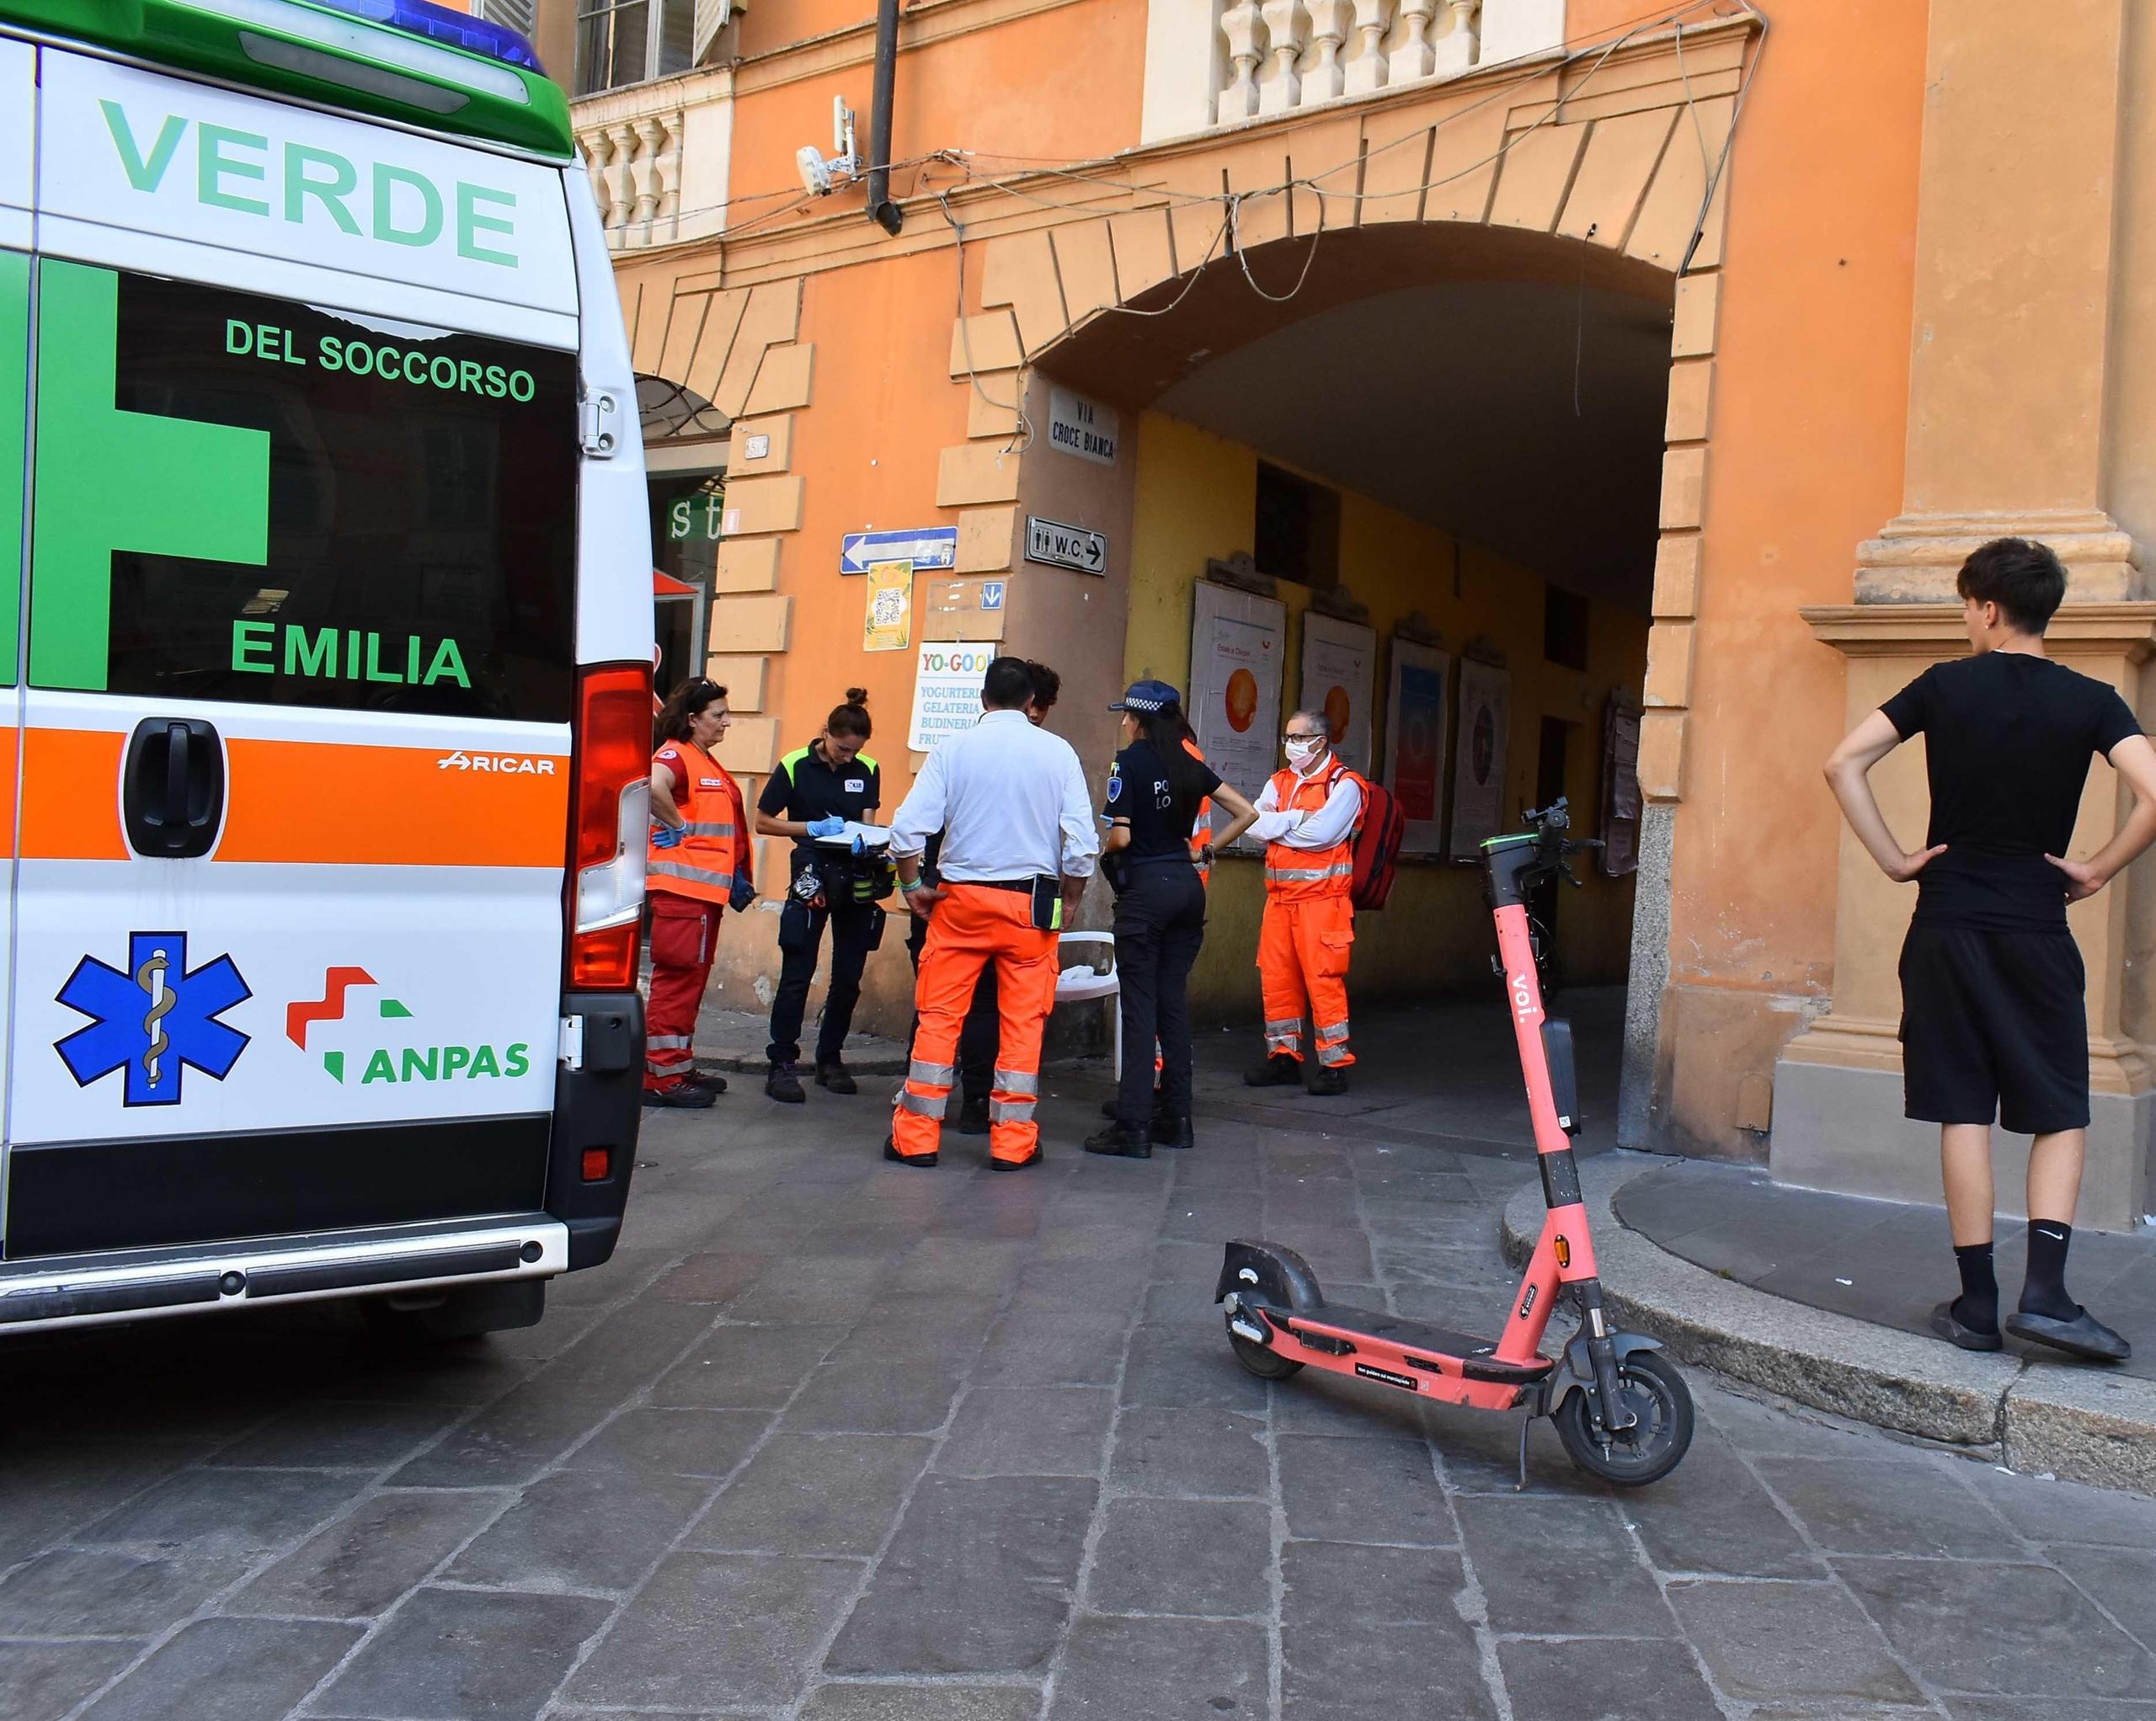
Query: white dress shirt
1321	827
1011	800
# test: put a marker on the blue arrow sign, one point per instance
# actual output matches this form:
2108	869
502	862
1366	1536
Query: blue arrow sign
924	546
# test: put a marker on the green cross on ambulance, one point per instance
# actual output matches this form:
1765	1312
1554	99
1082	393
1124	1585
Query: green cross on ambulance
325	669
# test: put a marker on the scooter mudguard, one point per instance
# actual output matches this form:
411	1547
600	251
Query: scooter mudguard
1576	1373
1269	1275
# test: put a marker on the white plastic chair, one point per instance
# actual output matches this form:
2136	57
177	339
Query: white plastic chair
1079	982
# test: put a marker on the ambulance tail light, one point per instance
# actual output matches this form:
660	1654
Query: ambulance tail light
611	810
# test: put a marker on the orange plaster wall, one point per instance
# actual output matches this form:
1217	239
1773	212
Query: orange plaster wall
885	406
1065	85
1805	462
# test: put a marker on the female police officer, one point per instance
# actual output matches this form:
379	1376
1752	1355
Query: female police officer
1155	787
812	793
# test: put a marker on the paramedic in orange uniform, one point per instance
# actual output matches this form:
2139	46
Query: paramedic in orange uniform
699	866
1306	818
1018	837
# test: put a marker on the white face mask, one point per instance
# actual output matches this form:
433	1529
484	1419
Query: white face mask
1301	752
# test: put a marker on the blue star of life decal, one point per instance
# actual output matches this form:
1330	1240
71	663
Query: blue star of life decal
153	1017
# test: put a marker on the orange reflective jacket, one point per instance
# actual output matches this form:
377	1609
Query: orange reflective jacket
1293	873
703	865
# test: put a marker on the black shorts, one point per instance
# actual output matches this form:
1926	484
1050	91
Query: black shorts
1993	1024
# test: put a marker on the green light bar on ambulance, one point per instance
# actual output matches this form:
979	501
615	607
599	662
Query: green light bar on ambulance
331	57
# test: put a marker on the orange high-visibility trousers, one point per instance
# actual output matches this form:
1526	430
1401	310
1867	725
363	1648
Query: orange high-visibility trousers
1303	947
975	924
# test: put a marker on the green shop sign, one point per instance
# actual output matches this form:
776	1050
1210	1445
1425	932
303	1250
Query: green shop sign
698	517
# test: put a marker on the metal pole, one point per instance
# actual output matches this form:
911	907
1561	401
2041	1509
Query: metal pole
882	211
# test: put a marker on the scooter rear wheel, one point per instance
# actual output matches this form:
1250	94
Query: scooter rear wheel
1652	1448
1261	1360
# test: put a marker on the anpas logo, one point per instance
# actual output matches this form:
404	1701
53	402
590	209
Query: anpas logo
500	763
153	1019
439	1062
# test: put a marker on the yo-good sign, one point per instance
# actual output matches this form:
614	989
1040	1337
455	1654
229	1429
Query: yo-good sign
947	686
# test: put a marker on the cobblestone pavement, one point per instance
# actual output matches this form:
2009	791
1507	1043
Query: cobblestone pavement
837	1441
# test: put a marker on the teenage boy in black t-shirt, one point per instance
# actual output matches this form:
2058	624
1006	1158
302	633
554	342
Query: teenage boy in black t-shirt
1992	1019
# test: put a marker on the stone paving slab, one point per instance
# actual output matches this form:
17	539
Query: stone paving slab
832	1440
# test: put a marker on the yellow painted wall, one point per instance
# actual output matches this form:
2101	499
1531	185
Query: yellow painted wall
1196	499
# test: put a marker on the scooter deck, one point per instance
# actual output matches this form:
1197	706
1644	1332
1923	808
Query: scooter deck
1472	1356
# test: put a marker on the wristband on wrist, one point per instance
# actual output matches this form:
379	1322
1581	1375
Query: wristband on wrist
909	889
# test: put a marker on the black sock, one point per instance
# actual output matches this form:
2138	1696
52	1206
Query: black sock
1977	1306
2044	1290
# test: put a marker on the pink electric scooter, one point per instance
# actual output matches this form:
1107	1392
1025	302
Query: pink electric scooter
1622	1410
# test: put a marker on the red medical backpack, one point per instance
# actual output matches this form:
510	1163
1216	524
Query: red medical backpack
1378	836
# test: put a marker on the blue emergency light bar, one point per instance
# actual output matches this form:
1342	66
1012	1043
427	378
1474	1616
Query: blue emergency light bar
452	29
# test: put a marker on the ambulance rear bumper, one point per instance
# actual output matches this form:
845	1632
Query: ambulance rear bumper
201	1278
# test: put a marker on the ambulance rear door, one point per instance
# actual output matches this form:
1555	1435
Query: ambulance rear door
18	139
300	667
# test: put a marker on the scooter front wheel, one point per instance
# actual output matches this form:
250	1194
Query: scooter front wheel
1261	1360
1662	1431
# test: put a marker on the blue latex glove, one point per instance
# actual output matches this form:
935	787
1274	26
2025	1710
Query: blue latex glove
826	827
667	836
743	893
860	844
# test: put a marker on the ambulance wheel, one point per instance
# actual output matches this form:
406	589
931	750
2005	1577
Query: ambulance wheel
1261	1360
1648	1451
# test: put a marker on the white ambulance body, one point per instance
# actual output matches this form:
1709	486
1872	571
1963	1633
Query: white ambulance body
327	665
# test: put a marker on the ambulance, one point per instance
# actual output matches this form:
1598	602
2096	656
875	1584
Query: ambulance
327	642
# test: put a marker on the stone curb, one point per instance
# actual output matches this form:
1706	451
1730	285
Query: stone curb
2072	1422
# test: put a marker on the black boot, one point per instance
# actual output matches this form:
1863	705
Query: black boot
1125	1141
973	1117
1277	1071
693	1096
920	1161
1171	1132
1328	1082
836	1076
784	1085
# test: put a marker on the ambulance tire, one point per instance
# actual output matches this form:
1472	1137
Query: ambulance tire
470	1311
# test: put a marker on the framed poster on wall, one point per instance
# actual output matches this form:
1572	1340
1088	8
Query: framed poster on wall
1417	715
1620	788
1235	686
1340	679
1478	775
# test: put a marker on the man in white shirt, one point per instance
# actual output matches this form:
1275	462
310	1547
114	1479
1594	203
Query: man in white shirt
1306	818
1019	845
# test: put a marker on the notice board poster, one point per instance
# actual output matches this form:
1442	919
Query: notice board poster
889	624
1620	788
1418	713
947	684
1235	654
1340	677
1478	776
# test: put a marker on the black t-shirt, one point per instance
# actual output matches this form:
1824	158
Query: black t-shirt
802	785
2008	737
1137	791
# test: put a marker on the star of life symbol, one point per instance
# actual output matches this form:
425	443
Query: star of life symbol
153	1019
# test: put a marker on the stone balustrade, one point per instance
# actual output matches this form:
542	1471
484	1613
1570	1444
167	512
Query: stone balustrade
658	156
1220	61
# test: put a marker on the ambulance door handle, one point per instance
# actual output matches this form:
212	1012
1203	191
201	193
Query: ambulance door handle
173	797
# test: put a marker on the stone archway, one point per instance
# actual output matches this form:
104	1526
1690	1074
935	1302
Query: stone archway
1623	156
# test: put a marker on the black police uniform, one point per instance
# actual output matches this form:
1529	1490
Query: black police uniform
805	785
1160	922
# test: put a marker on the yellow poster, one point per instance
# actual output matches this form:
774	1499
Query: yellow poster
889	626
